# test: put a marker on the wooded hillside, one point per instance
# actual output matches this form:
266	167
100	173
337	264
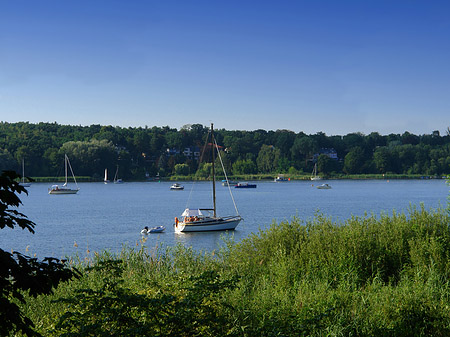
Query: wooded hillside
164	151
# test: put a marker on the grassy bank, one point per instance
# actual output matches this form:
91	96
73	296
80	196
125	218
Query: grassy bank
370	276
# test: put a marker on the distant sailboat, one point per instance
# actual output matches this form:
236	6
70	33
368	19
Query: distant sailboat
105	180
314	175
117	180
23	183
56	189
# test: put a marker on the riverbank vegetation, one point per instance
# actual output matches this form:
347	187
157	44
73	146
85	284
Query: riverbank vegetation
383	275
157	152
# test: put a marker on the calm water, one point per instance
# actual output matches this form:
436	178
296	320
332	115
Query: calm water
109	216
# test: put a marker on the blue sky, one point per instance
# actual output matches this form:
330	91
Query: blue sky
313	66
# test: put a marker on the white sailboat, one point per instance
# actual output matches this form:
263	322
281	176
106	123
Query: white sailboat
23	183
117	180
105	179
56	189
314	175
206	219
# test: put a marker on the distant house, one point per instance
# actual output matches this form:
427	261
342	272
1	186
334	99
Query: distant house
192	152
120	149
172	152
329	152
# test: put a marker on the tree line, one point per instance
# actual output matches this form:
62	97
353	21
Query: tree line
141	152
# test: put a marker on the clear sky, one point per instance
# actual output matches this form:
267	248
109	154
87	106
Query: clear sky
332	66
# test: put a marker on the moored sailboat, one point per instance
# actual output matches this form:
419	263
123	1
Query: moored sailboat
105	179
57	189
23	183
206	219
117	180
314	175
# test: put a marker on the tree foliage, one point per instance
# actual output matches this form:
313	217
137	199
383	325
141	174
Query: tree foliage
144	151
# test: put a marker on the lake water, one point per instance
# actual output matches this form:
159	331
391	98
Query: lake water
107	217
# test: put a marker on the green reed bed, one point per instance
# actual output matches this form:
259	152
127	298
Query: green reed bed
385	275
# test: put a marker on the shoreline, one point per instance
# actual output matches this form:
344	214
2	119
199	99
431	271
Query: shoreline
256	177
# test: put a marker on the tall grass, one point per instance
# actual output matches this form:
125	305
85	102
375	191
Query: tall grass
385	275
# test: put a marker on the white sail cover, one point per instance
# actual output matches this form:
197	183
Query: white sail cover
192	212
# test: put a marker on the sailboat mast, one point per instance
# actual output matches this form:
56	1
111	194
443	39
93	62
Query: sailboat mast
213	170
65	166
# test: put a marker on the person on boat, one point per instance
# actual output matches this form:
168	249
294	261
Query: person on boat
145	230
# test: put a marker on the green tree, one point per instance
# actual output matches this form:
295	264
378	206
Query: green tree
325	164
246	166
267	160
226	160
7	161
284	141
205	170
381	158
90	157
303	148
181	169
354	161
283	165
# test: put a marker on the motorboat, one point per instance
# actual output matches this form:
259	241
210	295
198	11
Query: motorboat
176	186
281	178
206	219
229	182
324	187
245	185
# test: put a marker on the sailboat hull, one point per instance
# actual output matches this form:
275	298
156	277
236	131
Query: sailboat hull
62	191
209	224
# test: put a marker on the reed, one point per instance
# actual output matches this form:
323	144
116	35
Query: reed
383	275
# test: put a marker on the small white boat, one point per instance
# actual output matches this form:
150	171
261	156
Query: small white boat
324	187
281	178
177	186
158	229
229	182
